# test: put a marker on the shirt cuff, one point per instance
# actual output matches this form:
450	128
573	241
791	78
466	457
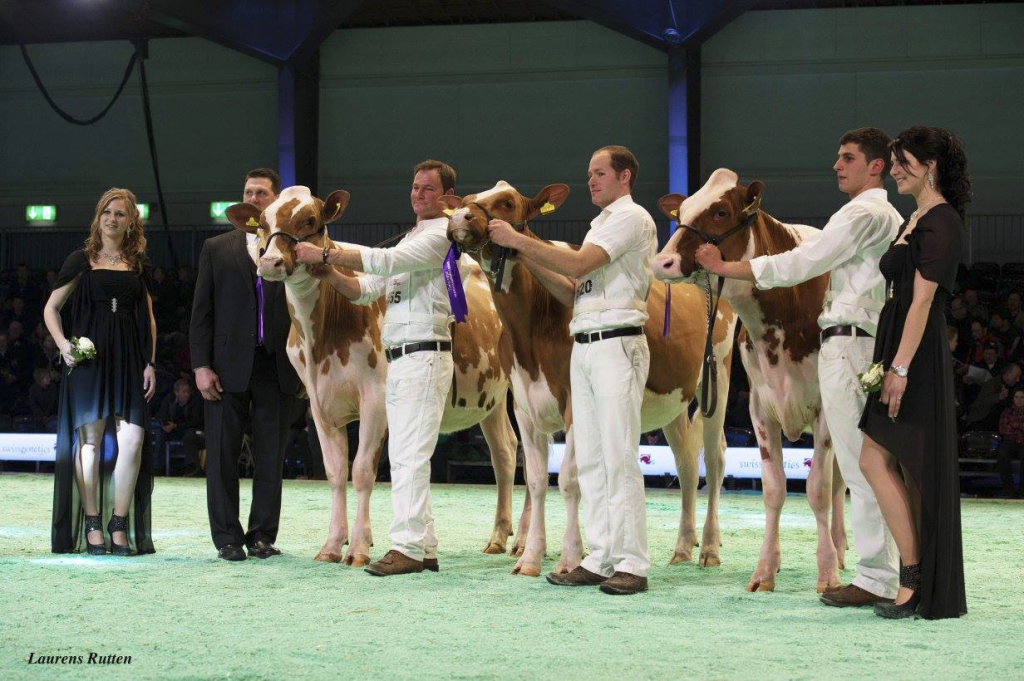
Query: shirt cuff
367	257
762	269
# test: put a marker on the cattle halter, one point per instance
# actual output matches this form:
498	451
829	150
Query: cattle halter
294	239
501	253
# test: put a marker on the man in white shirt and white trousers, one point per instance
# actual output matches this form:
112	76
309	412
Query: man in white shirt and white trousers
606	281
849	246
418	347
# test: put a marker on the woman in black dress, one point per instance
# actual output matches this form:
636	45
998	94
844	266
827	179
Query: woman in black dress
108	288
909	454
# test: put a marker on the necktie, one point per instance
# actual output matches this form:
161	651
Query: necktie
259	304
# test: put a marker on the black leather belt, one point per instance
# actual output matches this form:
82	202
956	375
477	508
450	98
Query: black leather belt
611	333
844	330
397	351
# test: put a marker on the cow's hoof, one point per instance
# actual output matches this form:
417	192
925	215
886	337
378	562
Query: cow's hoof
327	557
822	587
357	560
517	551
680	558
494	548
842	564
709	560
526	571
760	586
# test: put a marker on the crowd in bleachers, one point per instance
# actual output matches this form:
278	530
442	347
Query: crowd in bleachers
986	337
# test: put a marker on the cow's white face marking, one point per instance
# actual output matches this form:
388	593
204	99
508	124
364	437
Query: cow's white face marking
461	232
270	214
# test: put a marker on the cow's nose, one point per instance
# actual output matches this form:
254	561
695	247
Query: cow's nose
271	262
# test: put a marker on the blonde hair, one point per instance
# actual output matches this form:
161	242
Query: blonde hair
133	246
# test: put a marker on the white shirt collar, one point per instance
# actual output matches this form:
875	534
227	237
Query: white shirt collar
873	193
619	203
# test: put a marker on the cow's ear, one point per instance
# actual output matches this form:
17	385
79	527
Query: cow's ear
449	203
754	193
334	205
547	200
244	216
669	205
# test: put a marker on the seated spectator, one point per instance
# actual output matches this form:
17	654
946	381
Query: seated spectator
975	308
959	318
991	358
1011	428
1005	333
25	288
28	317
655	437
979	337
42	401
984	411
1013	310
21	349
49	357
12	389
181	418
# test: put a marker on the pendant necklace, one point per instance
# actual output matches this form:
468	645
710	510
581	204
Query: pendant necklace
112	259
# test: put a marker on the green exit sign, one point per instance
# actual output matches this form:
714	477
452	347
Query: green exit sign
41	213
219	208
144	211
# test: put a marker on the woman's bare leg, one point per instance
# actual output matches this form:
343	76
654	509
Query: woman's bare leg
126	470
87	470
885	475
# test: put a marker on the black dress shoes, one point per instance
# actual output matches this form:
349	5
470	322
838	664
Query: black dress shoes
232	552
263	549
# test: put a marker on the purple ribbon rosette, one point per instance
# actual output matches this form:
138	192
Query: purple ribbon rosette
453	282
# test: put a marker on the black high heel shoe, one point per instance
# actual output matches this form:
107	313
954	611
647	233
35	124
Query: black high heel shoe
910	578
92	524
118	523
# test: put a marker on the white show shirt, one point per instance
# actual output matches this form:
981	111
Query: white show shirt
615	295
410	276
849	246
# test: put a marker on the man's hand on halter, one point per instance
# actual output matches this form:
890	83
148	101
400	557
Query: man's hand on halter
503	233
710	258
308	254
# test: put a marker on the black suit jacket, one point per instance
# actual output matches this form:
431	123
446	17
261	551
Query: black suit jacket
222	334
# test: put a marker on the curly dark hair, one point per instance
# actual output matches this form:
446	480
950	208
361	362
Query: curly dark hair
926	143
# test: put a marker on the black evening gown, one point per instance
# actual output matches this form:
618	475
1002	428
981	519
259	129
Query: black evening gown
110	308
923	437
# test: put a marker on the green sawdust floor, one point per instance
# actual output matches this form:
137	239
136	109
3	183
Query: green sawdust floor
181	613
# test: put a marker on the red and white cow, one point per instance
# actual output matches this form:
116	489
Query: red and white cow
779	348
539	326
335	346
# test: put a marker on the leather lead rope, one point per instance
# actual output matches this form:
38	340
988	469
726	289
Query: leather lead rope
709	376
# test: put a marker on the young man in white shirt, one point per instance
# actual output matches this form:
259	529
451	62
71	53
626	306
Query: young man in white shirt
849	246
418	348
606	281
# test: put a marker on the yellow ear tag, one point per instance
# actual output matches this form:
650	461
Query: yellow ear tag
449	211
547	208
674	213
252	223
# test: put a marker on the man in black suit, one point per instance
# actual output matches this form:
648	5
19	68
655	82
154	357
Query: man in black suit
238	334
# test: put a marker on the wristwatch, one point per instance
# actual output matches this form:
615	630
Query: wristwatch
327	252
900	371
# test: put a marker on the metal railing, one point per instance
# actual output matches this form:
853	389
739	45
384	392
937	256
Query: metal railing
995	238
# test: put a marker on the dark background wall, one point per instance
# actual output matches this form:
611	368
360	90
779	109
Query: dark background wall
526	103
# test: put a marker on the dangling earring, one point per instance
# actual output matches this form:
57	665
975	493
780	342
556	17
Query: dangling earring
931	180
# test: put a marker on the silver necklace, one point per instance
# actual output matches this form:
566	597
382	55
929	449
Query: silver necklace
913	216
112	259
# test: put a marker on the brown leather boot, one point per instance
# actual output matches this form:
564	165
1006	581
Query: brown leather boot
580	576
851	596
394	563
624	584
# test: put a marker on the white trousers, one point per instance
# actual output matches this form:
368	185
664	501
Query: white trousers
608	379
417	387
840	360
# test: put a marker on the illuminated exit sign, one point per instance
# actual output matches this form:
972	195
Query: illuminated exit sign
218	209
41	213
144	211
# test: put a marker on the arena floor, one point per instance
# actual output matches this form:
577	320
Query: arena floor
181	613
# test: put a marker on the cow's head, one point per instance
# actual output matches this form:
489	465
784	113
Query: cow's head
296	215
470	215
722	210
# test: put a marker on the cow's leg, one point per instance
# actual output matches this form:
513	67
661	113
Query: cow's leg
819	496
569	486
535	450
334	444
713	439
519	545
501	440
773	484
372	431
839	513
680	434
